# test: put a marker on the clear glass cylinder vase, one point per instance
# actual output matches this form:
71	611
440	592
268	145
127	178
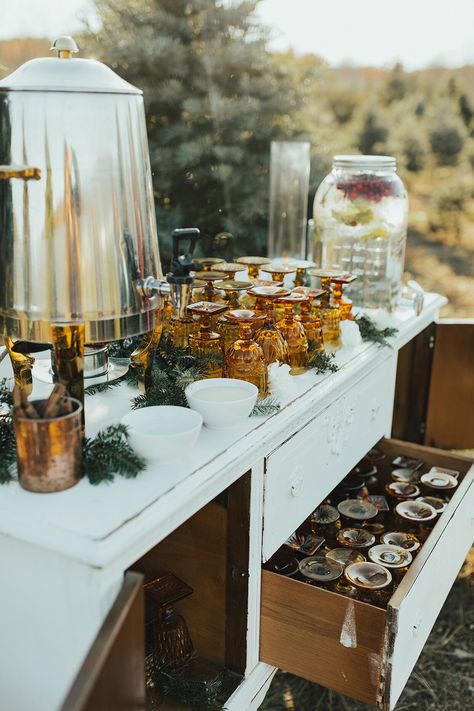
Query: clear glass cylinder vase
360	226
289	185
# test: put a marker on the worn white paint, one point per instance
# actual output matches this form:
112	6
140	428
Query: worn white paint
63	555
348	636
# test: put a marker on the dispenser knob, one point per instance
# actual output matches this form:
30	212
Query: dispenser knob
65	46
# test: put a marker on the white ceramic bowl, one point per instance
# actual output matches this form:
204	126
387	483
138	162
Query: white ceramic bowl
222	402
163	432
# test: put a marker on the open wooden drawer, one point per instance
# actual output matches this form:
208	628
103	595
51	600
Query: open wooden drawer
358	649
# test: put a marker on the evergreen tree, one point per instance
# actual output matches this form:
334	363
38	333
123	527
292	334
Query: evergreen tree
214	102
373	133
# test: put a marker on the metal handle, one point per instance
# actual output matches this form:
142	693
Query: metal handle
188	233
23	172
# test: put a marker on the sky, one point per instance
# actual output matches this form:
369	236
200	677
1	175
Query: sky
364	32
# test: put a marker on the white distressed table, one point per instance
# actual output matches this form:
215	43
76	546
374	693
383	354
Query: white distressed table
63	555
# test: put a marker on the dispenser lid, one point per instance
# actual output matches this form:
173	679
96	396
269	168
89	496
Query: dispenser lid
67	74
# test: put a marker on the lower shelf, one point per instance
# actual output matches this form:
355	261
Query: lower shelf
353	647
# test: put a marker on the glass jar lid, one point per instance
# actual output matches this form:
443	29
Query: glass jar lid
320	568
355	162
325	514
368	576
357	509
390	556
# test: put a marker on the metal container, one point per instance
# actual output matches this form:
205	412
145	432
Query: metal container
49	451
77	219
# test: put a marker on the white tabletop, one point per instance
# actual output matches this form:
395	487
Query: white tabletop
104	523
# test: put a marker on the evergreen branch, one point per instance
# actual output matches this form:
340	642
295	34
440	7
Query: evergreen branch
104	387
6	395
322	362
265	406
109	453
198	696
8	450
370	332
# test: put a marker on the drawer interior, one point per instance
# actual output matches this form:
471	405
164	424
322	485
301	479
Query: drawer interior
340	642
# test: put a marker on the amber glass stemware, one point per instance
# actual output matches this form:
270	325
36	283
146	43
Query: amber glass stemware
232	291
206	264
279	271
311	321
339	282
329	313
293	332
269	338
210	293
301	266
230	268
244	358
206	342
178	329
253	264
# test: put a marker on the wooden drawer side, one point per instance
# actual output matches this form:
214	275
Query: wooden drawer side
322	637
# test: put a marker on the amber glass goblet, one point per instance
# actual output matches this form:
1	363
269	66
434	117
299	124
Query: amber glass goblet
231	290
210	293
301	266
279	271
205	342
293	332
269	337
345	305
206	264
253	264
312	323
178	329
248	301
244	358
230	268
329	313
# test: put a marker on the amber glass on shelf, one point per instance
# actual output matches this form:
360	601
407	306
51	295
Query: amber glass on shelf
166	632
229	268
269	338
312	324
293	332
253	264
278	271
206	342
231	295
247	301
345	305
210	293
330	314
244	358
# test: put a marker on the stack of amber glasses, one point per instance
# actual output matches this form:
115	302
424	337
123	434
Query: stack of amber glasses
339	282
232	291
244	358
206	342
210	293
293	332
329	313
269	338
310	319
230	269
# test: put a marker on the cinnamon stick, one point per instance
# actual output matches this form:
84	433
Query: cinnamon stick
28	408
52	406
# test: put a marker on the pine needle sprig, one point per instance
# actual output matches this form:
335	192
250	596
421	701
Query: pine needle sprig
370	332
322	362
104	387
109	453
7	449
6	395
265	406
203	696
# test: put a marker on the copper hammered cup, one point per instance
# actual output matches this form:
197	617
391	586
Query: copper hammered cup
49	452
